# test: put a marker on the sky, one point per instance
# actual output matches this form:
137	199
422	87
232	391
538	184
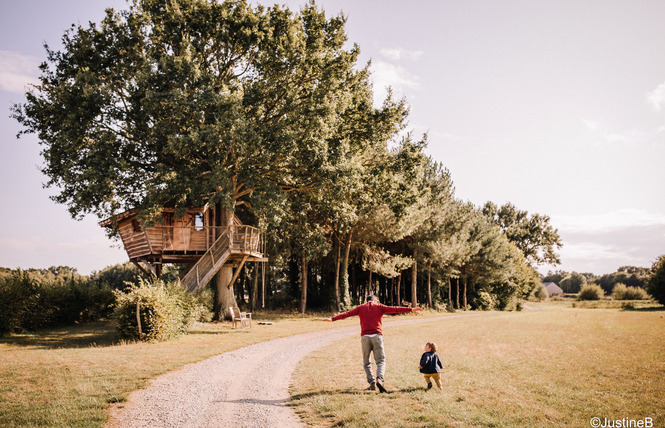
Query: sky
557	106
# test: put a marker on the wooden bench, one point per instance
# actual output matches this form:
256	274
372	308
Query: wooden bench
244	318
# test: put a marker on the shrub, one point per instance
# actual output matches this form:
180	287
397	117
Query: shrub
19	297
485	301
165	311
539	293
621	292
591	292
28	303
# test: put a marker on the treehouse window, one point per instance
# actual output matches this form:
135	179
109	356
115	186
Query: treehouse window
198	221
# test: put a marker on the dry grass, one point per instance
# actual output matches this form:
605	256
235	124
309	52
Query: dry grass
69	377
557	367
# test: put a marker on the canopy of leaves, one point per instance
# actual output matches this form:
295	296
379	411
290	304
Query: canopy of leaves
532	234
188	102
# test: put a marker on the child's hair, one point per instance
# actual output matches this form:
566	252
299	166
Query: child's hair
431	345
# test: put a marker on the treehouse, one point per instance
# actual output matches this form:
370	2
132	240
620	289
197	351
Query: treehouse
196	239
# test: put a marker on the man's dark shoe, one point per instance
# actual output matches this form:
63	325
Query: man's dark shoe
372	387
429	385
379	385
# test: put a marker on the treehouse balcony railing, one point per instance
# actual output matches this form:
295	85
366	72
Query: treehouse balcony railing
190	239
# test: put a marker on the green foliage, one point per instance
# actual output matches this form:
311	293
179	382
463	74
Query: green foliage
540	293
19	300
30	301
621	292
166	311
555	276
485	301
656	284
117	276
532	234
630	276
573	283
591	292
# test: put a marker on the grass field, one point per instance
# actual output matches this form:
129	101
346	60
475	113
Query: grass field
69	377
556	367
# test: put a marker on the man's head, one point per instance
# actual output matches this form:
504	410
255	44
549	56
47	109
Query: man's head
371	298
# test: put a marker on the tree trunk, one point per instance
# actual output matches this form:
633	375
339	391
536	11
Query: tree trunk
414	280
370	289
457	290
344	291
303	281
450	291
255	287
464	294
337	263
399	285
224	296
429	285
356	293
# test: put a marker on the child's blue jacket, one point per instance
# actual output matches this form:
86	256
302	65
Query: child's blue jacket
430	363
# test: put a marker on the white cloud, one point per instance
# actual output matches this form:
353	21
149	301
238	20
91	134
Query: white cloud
633	136
605	222
591	124
657	97
593	251
399	79
17	71
397	54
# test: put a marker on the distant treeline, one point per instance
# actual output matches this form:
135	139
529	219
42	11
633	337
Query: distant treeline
572	282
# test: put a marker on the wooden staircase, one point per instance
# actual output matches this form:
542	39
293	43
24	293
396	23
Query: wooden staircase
209	264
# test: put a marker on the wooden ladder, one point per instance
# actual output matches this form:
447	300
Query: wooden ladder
209	264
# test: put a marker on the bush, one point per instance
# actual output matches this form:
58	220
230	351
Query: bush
27	303
19	297
539	293
485	301
621	292
165	311
591	292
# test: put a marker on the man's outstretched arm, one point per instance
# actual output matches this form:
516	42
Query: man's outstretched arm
399	309
352	312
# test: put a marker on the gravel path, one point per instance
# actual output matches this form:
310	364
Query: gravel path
247	387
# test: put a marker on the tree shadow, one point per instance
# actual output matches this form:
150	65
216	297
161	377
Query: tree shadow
85	335
644	309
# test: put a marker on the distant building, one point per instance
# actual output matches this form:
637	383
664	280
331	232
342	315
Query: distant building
553	289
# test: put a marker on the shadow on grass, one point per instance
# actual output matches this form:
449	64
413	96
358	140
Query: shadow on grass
645	309
92	334
350	391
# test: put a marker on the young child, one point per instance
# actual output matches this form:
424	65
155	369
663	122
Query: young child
430	365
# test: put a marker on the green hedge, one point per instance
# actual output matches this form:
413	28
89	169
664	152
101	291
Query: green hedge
27	303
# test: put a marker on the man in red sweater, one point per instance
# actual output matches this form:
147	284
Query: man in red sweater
371	340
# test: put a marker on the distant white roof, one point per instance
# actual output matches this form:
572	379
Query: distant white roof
552	288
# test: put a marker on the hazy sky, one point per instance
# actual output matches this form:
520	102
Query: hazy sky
556	106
